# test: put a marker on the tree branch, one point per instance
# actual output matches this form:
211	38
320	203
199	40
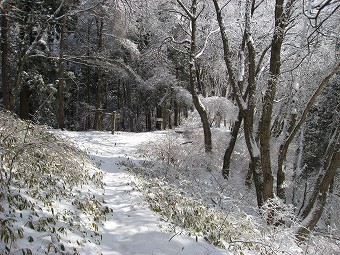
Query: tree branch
186	9
206	42
105	63
311	102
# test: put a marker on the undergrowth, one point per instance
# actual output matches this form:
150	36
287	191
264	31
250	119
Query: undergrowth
183	185
238	232
41	183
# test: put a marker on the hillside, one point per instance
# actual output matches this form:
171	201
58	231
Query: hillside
92	192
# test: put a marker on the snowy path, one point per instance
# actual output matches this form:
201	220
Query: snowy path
132	228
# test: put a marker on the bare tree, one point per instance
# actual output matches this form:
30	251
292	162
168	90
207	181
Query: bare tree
246	100
260	142
193	14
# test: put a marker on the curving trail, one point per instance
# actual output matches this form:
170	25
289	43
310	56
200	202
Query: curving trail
132	228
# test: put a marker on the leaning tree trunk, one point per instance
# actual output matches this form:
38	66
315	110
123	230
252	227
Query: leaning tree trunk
236	91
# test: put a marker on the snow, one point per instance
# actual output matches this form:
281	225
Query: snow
111	216
132	228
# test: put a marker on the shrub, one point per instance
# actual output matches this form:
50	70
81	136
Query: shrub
38	173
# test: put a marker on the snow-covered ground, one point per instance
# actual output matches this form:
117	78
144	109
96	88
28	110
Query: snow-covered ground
56	201
132	228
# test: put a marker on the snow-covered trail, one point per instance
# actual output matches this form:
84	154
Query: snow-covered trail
132	228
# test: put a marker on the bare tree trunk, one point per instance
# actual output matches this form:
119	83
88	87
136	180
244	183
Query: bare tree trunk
148	119
328	218
255	168
61	83
281	176
99	88
236	91
88	82
24	109
176	114
159	117
165	115
192	14
199	80
231	145
23	90
281	19
88	99
17	82
250	137
99	103
4	58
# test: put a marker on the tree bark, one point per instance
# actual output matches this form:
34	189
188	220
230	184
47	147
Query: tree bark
99	87
236	91
231	145
99	104
22	90
24	109
250	137
268	101
159	117
176	114
4	59
88	98
148	119
61	82
255	168
192	14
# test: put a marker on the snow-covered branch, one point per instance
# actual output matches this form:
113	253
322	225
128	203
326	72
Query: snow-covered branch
105	63
206	43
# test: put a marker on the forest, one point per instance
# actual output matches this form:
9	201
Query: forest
265	73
